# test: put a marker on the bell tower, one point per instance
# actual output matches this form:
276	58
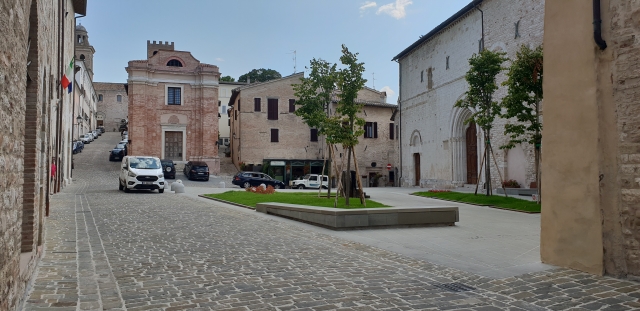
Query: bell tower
84	50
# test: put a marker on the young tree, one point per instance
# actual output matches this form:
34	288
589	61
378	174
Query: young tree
481	78
314	99
350	81
523	102
260	75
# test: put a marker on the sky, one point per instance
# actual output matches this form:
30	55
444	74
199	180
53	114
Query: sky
241	35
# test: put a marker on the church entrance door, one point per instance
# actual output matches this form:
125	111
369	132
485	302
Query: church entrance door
472	154
173	146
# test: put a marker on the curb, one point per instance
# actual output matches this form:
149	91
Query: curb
227	202
484	205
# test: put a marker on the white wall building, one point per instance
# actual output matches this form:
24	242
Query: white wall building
437	147
84	101
224	94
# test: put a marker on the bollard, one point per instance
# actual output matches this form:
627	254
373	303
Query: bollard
221	184
177	186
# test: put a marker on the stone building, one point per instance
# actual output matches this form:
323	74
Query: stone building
224	95
113	104
437	147
591	143
173	106
266	132
36	47
84	101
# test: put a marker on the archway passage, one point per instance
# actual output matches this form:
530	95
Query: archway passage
472	154
416	165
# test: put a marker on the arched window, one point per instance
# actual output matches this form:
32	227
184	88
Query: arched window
119	98
100	97
174	63
82	56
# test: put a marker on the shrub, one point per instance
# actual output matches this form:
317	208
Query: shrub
260	190
511	183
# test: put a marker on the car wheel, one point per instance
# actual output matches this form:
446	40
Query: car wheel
300	186
119	185
160	190
126	189
246	185
324	187
277	186
207	179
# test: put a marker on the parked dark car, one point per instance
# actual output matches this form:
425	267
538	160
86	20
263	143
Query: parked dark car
254	179
77	146
168	168
122	145
117	153
101	128
196	170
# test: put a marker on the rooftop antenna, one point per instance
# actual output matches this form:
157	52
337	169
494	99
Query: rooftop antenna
374	80
295	63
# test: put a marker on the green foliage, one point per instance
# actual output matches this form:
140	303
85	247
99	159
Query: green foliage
481	78
301	198
350	82
494	200
524	97
314	94
260	75
227	79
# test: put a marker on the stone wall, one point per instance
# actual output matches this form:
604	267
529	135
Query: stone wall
432	80
113	110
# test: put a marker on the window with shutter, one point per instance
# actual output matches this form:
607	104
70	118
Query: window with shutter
314	134
375	129
256	104
274	135
368	130
173	96
238	104
292	105
272	109
391	132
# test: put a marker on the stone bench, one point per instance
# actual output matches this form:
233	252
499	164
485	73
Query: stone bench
341	219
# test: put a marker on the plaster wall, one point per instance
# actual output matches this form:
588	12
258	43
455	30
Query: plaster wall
591	143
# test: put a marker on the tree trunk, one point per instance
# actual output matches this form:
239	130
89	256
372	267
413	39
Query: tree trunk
348	177
487	149
329	174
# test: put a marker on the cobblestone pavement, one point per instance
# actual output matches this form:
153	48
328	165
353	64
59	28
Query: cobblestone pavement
107	250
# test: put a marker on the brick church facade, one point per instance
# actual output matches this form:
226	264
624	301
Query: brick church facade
173	106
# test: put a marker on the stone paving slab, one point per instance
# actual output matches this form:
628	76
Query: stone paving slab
151	251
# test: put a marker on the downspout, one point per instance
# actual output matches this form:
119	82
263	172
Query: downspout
482	26
399	176
597	26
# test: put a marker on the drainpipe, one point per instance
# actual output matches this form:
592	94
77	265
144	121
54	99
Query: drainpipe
597	26
482	25
399	175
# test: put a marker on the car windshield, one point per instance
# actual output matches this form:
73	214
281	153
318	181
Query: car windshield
144	163
306	176
121	146
165	163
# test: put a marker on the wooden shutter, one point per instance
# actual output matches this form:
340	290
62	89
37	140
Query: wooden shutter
375	129
391	133
274	135
292	105
238	104
314	134
272	109
256	104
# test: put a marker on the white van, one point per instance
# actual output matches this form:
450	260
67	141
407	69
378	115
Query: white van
141	173
310	181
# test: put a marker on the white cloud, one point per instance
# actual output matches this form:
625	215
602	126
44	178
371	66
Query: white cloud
395	10
389	91
368	5
219	59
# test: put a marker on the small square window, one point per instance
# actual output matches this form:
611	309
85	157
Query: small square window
256	104
100	98
174	96
119	98
274	136
371	130
314	134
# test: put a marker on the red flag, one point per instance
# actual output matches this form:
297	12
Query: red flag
65	81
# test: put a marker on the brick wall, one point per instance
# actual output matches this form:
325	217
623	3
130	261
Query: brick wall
113	110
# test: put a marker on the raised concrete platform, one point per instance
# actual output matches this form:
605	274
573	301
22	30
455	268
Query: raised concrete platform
518	191
341	219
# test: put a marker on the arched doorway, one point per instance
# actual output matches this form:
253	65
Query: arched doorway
472	153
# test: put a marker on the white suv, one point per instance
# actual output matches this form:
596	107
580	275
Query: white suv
141	173
310	181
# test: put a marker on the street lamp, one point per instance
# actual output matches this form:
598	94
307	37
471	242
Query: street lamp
79	119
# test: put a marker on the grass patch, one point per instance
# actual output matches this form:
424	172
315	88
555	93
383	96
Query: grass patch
302	198
497	201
